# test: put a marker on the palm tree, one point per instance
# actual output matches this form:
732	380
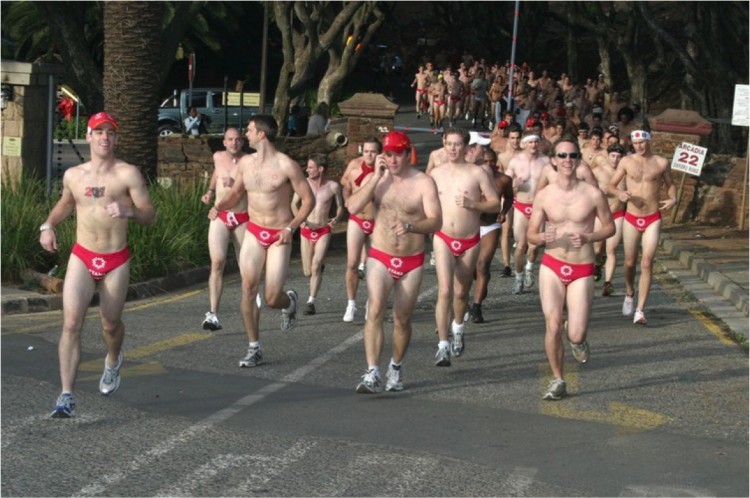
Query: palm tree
132	62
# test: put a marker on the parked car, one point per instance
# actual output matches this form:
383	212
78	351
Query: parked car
210	103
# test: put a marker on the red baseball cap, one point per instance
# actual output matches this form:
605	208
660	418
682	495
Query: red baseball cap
99	119
396	141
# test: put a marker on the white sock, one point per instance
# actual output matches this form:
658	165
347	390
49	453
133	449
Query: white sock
311	299
395	365
443	344
361	266
519	275
456	327
352	302
374	370
529	266
254	345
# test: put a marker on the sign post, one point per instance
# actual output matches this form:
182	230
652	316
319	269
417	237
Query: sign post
741	117
689	159
191	77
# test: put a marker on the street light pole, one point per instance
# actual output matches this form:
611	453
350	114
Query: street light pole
263	62
511	83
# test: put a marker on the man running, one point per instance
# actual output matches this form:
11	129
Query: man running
645	174
227	226
406	208
266	179
315	231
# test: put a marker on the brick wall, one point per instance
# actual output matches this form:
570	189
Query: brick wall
713	198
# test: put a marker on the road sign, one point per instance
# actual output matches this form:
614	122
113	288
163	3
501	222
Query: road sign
689	158
741	108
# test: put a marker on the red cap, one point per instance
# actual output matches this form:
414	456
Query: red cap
99	119
502	125
530	122
396	141
545	115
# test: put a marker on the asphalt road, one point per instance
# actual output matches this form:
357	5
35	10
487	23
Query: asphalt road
657	411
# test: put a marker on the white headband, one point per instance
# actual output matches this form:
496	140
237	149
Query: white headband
529	138
640	135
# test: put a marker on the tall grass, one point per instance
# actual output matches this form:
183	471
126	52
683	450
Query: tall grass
177	241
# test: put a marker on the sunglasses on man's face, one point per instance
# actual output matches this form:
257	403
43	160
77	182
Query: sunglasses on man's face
572	155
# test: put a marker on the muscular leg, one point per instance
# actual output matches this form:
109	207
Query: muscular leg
252	260
306	255
355	239
612	243
218	242
78	290
379	285
445	267
319	253
462	278
649	245
631	239
579	299
505	240
487	248
520	224
404	299
552	297
277	270
112	293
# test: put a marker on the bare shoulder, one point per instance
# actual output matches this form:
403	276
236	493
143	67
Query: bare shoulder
127	170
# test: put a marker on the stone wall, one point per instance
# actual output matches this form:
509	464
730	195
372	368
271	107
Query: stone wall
713	198
188	157
25	118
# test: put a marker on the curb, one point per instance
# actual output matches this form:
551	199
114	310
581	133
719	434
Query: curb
53	302
707	272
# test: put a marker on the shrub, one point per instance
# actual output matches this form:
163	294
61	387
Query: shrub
176	241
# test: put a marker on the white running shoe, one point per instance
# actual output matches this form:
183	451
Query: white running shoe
529	279
393	379
349	315
627	305
211	322
639	318
370	383
110	380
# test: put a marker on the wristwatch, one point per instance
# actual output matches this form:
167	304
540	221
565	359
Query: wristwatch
45	227
409	227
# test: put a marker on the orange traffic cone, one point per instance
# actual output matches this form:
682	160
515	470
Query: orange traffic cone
414	159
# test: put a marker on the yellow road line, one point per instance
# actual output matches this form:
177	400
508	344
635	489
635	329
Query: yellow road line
713	327
151	349
93	313
618	414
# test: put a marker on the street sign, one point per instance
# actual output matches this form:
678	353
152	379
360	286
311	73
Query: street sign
191	67
741	108
248	99
689	158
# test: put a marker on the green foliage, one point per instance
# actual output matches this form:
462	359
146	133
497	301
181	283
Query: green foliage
67	129
175	242
24	208
178	239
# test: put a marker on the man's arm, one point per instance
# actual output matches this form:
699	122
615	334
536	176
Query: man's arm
206	198
537	220
587	175
488	202
671	188
62	209
614	182
506	191
295	203
366	191
543	179
301	189
431	206
337	192
233	196
142	211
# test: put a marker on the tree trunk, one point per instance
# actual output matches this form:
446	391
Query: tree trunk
132	59
605	67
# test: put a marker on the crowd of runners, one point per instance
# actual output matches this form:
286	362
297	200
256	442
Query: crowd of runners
567	171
